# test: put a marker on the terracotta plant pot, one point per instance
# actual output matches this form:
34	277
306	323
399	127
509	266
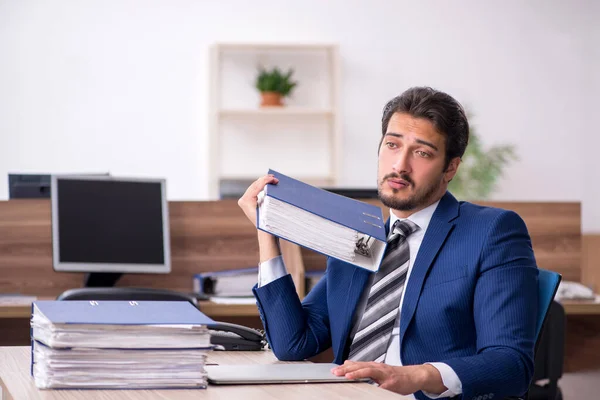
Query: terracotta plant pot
270	99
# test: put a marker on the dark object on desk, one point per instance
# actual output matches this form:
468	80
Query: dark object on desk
355	193
549	356
125	293
236	337
101	279
34	186
28	186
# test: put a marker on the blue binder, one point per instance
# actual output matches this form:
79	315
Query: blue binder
122	312
366	219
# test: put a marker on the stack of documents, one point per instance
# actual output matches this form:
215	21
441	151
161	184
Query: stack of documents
229	283
334	225
119	344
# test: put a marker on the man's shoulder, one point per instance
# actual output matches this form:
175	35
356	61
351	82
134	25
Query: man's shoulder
484	213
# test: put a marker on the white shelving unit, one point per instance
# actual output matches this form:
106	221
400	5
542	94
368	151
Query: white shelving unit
302	138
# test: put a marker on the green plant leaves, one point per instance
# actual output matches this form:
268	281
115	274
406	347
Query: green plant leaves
275	81
480	169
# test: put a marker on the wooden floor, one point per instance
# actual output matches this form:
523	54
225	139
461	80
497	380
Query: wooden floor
580	385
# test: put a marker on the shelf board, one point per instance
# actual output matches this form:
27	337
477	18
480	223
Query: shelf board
269	111
275	46
312	180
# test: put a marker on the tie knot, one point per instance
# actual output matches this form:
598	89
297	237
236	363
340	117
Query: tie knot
403	228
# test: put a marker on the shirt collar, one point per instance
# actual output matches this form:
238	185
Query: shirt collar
420	218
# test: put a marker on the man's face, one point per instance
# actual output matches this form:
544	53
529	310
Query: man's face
411	172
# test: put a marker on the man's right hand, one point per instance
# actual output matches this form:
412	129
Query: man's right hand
249	200
267	244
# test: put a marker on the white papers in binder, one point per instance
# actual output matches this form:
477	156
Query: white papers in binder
318	234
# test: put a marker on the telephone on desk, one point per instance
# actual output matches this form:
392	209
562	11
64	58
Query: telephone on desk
236	337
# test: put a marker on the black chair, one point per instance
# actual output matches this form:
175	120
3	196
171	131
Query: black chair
125	293
549	356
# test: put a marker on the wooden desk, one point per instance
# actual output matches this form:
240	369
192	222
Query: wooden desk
585	307
217	311
583	328
16	383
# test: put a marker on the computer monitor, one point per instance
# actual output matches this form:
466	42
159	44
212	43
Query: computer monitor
28	186
109	225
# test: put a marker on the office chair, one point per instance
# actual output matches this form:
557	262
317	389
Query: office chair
547	286
549	356
125	293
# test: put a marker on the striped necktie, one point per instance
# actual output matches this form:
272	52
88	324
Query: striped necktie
372	337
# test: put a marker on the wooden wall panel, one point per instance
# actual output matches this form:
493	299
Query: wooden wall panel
205	236
208	236
590	266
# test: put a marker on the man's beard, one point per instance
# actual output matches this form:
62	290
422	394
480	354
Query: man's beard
420	198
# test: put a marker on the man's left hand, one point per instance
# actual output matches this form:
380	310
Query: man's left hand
404	380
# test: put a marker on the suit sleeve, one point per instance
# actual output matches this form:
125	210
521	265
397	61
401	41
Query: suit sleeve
295	330
505	314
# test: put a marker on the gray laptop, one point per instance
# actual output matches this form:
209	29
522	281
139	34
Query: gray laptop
273	373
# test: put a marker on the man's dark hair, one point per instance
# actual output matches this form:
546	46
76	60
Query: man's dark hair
442	110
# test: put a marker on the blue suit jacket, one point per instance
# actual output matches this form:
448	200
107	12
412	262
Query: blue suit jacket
470	302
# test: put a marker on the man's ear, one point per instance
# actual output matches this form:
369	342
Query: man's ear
452	169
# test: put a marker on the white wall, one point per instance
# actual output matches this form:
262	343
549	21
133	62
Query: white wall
590	138
122	86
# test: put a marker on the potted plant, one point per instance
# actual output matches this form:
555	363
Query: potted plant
274	85
480	169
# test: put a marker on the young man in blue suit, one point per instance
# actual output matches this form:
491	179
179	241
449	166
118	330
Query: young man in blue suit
452	310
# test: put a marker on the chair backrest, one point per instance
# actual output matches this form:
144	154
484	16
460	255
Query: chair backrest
549	356
548	282
125	293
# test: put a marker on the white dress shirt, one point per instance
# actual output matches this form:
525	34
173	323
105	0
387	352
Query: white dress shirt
274	268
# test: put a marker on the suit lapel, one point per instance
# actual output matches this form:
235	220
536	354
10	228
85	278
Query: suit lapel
358	281
437	232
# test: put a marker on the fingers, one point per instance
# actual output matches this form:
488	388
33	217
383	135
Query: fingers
249	201
375	373
257	186
350	367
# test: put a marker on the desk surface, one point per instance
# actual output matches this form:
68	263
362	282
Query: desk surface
216	311
17	383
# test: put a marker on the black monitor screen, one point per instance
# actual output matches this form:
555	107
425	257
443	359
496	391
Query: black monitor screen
110	222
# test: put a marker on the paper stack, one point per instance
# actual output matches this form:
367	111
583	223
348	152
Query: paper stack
229	283
119	344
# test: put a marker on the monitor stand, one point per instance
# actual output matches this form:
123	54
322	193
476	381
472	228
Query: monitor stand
101	279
